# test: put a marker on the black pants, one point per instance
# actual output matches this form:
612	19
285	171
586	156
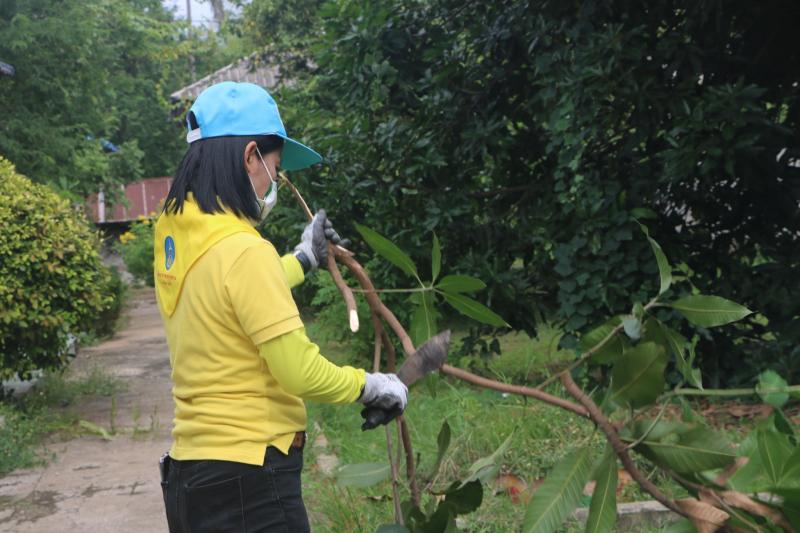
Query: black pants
225	496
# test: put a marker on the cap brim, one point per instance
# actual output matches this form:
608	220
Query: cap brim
297	156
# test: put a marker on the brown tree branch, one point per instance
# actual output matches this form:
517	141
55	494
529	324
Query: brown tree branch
514	389
376	366
338	280
620	448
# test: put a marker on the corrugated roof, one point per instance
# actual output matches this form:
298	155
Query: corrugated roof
254	69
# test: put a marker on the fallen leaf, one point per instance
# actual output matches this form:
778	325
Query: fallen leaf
705	517
514	486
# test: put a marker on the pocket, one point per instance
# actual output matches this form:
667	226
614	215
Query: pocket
215	507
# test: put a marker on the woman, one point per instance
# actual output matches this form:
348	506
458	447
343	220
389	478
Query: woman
241	362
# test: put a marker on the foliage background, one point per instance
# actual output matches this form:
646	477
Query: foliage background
530	136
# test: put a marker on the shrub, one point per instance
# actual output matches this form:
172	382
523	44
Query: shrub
52	281
136	248
106	323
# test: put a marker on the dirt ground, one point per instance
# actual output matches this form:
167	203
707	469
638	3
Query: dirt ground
96	485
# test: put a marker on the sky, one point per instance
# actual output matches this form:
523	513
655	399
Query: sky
202	15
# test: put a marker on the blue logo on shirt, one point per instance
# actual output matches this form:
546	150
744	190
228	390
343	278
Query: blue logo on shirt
169	251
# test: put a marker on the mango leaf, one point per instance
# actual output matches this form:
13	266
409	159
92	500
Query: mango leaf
644	212
559	494
687	449
657	332
475	310
632	327
486	468
465	498
709	311
388	250
749	478
424	318
436	258
361	474
790	476
442	443
791	505
603	510
638	375
664	268
458	283
612	349
775	450
770	380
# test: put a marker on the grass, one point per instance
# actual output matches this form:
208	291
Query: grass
45	412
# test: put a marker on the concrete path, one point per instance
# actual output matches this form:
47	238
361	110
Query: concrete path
94	485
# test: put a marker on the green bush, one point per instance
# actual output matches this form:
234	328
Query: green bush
106	323
51	279
136	248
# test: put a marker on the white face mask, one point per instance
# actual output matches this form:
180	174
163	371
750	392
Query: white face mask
265	204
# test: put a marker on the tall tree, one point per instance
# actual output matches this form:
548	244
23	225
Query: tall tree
93	70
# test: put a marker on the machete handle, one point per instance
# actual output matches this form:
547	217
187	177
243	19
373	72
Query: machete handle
375	416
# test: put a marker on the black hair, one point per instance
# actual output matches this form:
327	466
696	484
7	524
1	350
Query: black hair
213	171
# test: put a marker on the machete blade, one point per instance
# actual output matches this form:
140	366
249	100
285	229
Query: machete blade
429	357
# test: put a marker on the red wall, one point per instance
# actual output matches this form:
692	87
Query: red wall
144	197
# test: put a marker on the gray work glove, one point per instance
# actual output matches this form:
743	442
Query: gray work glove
313	248
385	398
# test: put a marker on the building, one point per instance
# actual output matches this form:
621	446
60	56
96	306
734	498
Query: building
255	68
143	198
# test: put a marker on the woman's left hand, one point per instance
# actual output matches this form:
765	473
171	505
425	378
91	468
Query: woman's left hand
313	248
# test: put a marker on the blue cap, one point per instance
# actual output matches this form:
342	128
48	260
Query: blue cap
244	109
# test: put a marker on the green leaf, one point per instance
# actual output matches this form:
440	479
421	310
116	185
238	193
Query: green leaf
424	318
442	443
775	450
486	468
664	268
388	250
684	448
658	332
709	311
559	494
464	498
772	380
603	510
362	474
632	327
638	375
474	310
791	505
643	212
751	477
790	475
612	349
436	259
458	283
